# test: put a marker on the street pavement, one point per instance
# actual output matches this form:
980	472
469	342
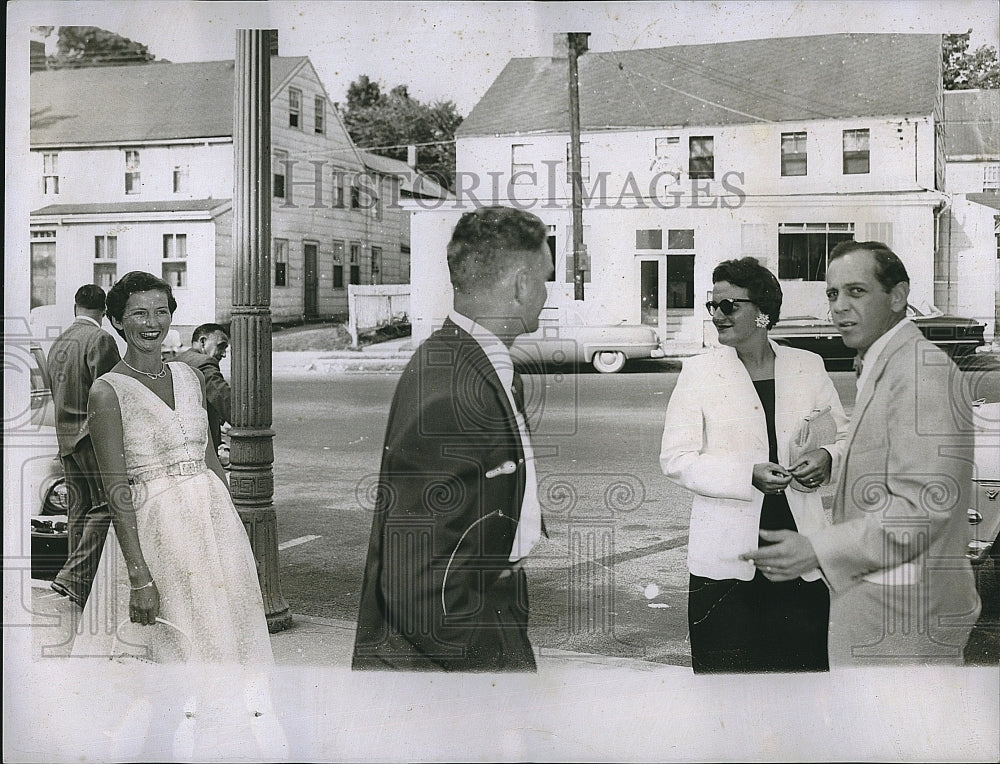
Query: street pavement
579	707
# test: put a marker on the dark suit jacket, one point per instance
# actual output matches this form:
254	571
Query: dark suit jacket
218	394
439	592
78	356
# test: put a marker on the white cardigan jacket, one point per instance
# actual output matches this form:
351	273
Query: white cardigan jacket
714	434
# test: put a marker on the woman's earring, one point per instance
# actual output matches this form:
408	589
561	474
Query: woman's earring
763	320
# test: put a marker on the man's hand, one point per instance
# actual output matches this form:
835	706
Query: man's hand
788	556
813	469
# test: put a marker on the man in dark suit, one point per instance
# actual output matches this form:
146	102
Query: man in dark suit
209	343
79	356
457	507
902	590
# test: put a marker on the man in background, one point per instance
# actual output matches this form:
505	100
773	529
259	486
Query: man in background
79	356
209	343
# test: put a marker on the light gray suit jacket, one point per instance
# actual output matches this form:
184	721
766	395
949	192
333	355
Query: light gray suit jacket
899	512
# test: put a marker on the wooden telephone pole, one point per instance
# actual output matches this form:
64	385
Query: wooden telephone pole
252	440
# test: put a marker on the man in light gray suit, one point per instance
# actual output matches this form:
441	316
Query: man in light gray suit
902	590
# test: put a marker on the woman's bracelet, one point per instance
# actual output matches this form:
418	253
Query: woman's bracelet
144	586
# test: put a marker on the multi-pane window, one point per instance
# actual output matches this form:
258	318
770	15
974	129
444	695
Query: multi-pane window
355	196
520	162
701	157
804	248
793	154
43	268
281	262
338	187
319	124
376	206
584	162
338	265
278	174
856	157
50	173
294	107
105	261
355	262
133	181
175	259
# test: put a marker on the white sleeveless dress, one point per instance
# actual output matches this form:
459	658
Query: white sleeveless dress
191	537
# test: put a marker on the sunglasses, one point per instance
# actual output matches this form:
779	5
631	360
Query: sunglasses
727	306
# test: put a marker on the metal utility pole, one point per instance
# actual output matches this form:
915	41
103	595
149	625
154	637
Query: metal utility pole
577	44
252	447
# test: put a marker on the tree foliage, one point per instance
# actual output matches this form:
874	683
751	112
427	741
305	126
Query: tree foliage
80	47
386	123
964	70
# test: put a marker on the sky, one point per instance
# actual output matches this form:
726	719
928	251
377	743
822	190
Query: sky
454	50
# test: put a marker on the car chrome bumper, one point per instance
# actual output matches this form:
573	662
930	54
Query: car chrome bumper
657	352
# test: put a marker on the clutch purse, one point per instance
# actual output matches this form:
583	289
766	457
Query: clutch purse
817	429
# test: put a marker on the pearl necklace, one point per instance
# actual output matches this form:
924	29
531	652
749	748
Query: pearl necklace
160	375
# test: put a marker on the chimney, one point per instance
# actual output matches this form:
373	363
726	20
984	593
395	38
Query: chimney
562	40
411	156
273	45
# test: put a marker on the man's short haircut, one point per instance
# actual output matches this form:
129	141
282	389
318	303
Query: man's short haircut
90	297
129	284
889	269
762	286
484	242
206	330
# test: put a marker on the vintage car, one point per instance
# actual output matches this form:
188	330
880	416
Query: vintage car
606	348
959	337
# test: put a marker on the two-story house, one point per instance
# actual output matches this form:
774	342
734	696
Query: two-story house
777	148
134	169
968	276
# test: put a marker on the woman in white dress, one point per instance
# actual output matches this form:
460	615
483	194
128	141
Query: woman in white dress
177	551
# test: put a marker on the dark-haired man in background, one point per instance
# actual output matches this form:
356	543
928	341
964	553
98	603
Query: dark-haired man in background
457	509
209	343
79	356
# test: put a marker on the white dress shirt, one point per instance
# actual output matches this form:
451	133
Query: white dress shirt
529	527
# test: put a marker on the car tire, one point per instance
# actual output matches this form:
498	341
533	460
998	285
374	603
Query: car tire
608	361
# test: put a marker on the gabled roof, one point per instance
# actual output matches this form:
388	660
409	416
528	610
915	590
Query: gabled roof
972	124
412	181
139	103
772	80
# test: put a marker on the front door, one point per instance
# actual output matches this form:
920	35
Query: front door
310	298
653	292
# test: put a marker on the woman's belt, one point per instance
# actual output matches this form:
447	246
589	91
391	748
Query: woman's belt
191	467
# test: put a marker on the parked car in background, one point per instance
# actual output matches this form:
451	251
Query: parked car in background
958	337
606	348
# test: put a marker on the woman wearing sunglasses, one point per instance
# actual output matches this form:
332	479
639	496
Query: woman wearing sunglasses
729	428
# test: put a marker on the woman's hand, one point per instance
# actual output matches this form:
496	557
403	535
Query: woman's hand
144	604
813	469
769	477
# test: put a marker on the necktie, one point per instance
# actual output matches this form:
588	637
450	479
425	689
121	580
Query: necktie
858	365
